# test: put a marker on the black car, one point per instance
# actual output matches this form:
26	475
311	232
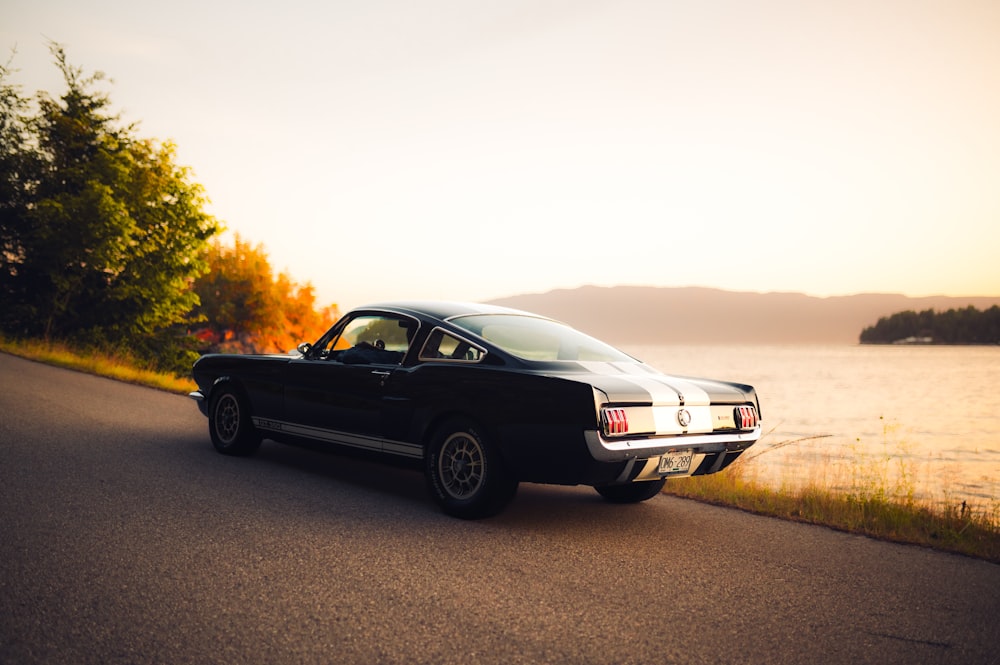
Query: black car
482	397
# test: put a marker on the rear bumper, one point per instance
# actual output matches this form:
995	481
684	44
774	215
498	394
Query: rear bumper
617	450
710	453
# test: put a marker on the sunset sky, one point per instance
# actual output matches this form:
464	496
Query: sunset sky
473	150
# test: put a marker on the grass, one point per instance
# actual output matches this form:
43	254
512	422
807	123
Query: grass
869	499
122	368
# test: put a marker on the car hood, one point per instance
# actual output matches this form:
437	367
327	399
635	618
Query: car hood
638	383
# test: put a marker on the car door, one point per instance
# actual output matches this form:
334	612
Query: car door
337	394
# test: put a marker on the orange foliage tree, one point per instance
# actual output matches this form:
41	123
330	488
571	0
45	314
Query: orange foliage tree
246	308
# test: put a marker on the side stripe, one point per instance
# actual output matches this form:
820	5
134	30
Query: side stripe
401	448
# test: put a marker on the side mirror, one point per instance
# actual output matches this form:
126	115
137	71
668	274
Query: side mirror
304	348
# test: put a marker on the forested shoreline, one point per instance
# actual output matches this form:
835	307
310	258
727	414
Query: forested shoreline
954	326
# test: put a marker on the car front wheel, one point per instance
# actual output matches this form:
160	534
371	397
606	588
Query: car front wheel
229	424
465	474
631	492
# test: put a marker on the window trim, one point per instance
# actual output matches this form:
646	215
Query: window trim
450	333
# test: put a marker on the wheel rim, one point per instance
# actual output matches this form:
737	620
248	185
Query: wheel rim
227	418
462	465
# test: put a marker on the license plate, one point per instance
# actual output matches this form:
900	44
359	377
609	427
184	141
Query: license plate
677	461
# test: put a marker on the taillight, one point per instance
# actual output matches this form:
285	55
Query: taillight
745	417
614	421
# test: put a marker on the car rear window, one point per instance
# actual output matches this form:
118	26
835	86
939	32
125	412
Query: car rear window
532	338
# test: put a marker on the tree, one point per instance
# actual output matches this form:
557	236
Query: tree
111	234
956	326
19	165
249	309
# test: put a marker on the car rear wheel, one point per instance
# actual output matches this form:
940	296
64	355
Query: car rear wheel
229	424
631	492
465	474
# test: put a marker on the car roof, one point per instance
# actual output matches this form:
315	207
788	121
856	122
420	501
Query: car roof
443	309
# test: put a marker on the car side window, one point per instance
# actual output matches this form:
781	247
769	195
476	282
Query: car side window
441	345
373	339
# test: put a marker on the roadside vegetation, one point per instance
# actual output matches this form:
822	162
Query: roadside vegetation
874	503
105	241
867	498
101	363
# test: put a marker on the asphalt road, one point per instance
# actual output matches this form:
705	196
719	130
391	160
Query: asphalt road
124	538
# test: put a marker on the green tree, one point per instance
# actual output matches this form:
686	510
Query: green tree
19	165
956	326
113	232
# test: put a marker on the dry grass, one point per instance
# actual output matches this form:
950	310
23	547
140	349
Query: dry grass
112	366
875	498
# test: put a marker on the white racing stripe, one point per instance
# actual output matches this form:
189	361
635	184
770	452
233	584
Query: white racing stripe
693	394
659	392
662	389
666	389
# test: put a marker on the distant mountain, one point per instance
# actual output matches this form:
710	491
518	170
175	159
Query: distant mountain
691	315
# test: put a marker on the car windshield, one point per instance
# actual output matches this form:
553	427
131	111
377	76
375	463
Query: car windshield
532	338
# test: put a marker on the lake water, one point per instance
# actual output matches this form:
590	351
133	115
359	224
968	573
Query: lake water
910	419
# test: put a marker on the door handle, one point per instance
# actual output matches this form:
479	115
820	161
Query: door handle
381	372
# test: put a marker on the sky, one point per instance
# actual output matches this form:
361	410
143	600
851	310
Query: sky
471	150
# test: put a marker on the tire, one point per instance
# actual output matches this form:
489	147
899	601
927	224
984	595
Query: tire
631	492
465	474
229	424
